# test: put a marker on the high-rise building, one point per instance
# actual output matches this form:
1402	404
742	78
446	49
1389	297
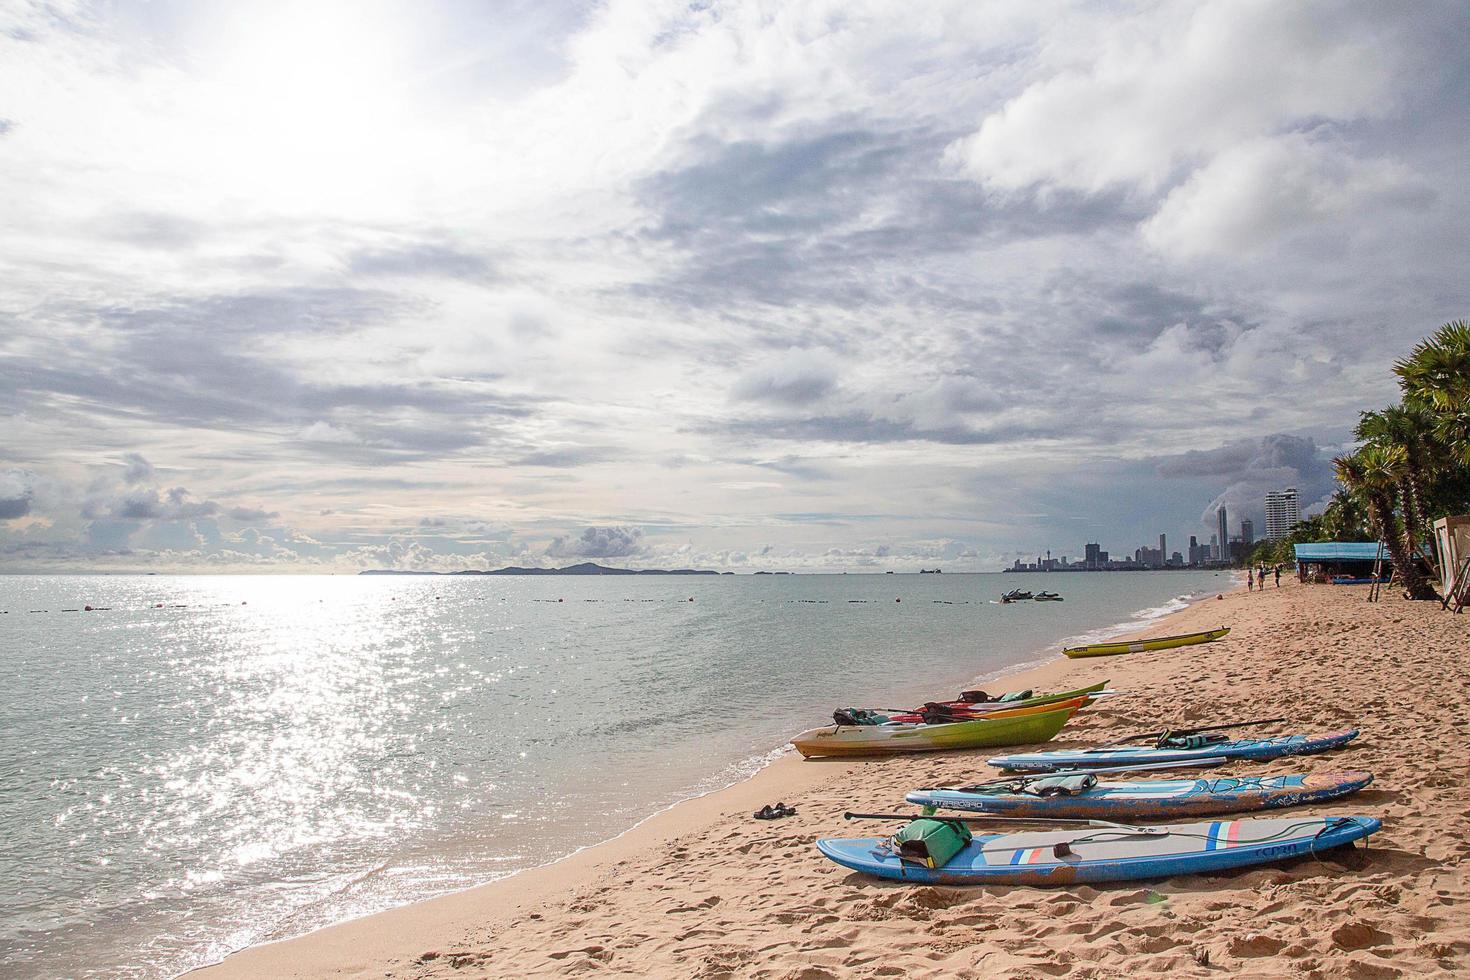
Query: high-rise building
1224	535
1282	513
1093	550
1163	552
1194	556
1214	546
1247	532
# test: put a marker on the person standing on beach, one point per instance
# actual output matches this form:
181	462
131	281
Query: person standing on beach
1278	576
1250	579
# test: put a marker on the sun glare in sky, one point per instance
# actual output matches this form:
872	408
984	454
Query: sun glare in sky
309	106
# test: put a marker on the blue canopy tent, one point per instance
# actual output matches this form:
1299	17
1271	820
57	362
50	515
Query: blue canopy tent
1344	562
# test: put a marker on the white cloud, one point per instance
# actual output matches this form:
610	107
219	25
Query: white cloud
1130	100
1255	195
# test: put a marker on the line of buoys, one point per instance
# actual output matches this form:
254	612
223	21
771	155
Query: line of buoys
816	602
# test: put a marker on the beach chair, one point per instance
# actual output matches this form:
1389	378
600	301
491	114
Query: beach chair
1459	593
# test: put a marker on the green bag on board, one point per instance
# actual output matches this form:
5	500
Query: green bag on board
931	842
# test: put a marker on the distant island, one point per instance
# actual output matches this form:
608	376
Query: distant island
585	568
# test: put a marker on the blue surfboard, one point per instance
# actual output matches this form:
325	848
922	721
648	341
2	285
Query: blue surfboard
1158	799
1258	749
1066	857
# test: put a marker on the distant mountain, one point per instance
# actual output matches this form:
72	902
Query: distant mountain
585	568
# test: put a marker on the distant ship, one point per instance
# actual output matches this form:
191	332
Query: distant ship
930	571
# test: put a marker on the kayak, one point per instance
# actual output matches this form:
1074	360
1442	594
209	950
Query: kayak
1027	702
986	707
1141	646
1001	711
1163	799
849	740
1257	749
1108	853
964	710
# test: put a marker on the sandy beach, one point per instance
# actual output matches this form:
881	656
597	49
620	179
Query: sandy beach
704	890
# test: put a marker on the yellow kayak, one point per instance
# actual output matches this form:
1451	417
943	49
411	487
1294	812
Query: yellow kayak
1140	646
973	733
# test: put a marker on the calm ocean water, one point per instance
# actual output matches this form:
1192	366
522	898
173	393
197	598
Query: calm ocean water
206	762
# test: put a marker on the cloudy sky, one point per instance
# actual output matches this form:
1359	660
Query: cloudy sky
846	285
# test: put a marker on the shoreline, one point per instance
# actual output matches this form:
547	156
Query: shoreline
784	776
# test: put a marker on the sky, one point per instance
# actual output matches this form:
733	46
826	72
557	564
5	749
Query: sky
824	286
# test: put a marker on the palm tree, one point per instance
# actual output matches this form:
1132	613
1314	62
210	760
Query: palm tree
1409	428
1343	520
1435	377
1374	472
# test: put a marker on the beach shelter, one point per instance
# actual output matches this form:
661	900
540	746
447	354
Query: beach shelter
1452	534
1339	561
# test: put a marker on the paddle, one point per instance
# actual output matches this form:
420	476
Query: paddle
1186	731
1032	777
989	818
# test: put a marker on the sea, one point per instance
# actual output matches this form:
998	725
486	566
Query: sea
200	763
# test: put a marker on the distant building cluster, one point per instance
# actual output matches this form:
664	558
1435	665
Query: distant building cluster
1096	560
1282	514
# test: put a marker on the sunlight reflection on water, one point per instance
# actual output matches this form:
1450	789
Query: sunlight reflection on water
217	761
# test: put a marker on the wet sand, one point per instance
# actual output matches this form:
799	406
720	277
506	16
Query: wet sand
703	890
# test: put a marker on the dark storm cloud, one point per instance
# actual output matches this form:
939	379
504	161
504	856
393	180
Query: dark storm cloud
598	542
1278	451
422	259
1250	468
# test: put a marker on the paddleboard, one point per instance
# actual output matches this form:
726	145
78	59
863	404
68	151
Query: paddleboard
1245	748
1159	799
1109	854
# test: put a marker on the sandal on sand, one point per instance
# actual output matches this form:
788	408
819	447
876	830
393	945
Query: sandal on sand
769	812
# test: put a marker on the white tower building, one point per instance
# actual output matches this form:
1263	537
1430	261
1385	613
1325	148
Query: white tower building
1282	513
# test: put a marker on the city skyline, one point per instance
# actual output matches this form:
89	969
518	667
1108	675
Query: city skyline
1280	507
